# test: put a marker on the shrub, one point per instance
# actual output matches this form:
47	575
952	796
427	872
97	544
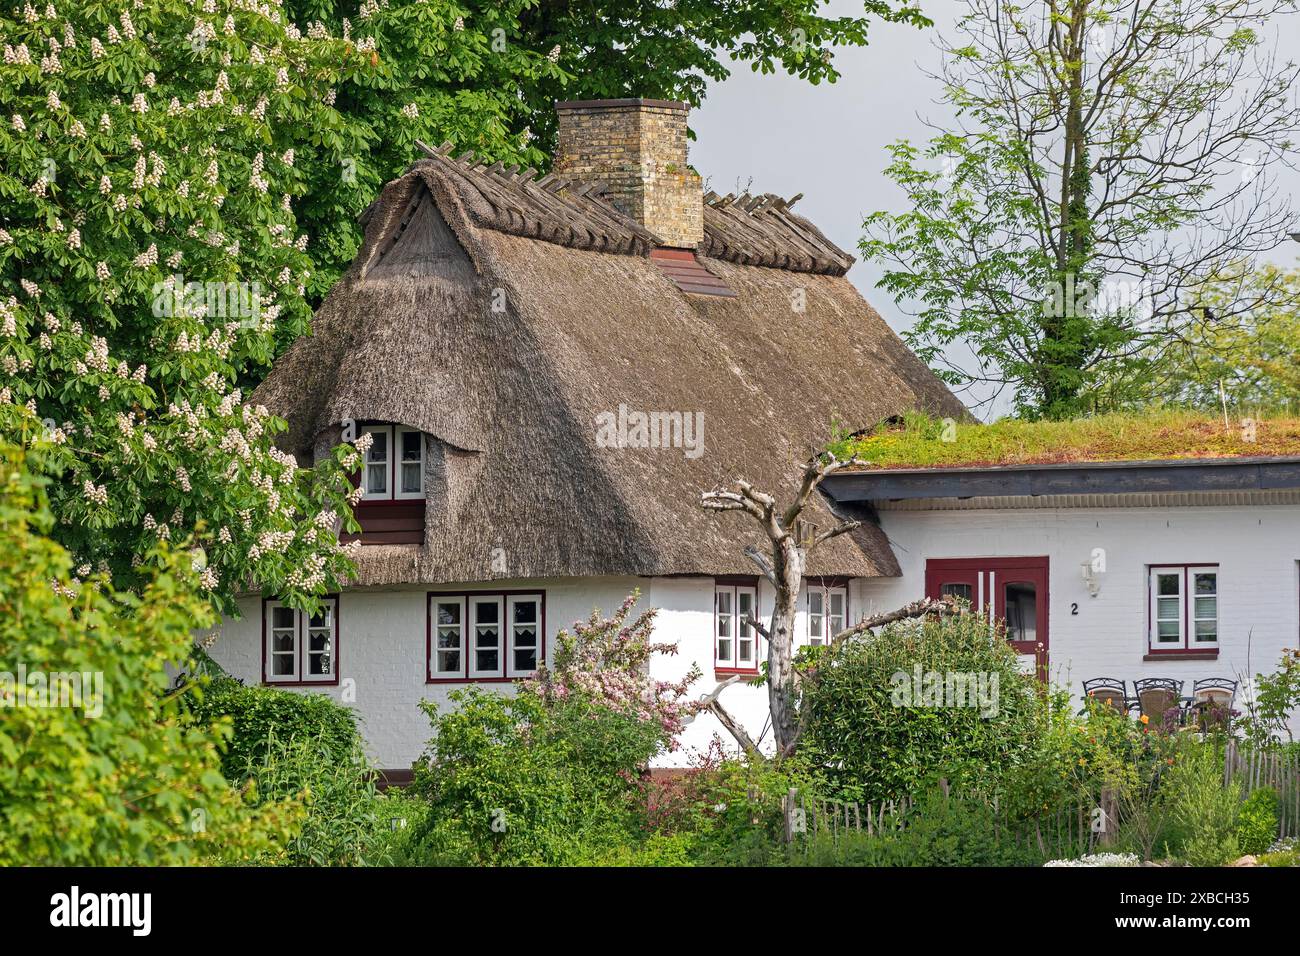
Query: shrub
1257	821
344	824
1204	811
257	714
515	781
118	777
867	740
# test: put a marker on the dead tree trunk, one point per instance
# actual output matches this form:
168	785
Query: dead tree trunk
784	569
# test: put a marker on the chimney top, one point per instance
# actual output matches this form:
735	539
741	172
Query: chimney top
638	148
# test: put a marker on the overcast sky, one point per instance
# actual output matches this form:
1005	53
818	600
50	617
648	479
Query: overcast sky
828	142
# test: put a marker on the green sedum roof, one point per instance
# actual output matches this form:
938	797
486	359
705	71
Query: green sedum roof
921	442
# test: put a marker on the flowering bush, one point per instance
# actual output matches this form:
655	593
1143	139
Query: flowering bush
150	263
608	661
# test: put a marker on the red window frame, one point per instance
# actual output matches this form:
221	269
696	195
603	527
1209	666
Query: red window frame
300	642
1188	649
507	638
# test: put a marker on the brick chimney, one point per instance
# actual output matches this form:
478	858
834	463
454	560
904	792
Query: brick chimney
638	147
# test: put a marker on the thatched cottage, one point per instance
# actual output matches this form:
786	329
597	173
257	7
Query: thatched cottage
552	369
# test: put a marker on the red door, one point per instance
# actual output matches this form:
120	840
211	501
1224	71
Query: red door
1013	590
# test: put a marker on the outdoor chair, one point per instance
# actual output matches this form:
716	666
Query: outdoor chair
1211	703
1109	691
1156	696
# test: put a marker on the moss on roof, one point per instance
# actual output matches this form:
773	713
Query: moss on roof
917	441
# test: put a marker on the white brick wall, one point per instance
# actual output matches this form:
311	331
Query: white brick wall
382	645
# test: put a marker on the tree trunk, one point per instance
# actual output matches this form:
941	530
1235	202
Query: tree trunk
781	690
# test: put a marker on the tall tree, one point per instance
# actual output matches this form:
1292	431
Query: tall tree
485	75
1107	158
149	261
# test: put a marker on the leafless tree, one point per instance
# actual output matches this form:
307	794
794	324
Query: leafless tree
790	542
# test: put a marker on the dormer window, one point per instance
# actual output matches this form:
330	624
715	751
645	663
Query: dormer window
394	466
392	484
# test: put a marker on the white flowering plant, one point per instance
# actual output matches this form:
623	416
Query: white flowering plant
151	265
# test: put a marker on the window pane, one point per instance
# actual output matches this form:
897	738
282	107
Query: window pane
282	640
282	665
318	665
1207	631
815	626
815	604
1207	607
525	612
724	625
410	478
723	602
376	479
745	651
449	637
1167	631
1168	583
449	662
322	618
1021	600
486	613
486	660
1206	583
487	636
837	604
282	617
448	613
412	443
525	659
724	649
378	447
1167	609
962	591
525	637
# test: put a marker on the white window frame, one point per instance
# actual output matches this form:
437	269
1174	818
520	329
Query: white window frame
1192	642
268	638
1186	575
475	602
512	601
435	657
393	436
301	644
736	630
825	595
398	462
387	493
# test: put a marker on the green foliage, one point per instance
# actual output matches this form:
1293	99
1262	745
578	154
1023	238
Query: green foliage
513	781
344	823
920	441
1276	698
1051	233
258	715
1251	362
119	776
938	832
869	737
151	266
1257	821
485	75
1204	811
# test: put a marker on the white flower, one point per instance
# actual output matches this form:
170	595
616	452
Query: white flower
410	111
17	122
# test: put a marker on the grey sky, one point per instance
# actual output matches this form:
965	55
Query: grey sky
828	142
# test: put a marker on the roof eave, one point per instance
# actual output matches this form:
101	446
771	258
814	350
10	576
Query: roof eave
1072	478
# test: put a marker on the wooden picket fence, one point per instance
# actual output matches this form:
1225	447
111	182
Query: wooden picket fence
1066	833
1267	768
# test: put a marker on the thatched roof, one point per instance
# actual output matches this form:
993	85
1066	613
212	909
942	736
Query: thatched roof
502	314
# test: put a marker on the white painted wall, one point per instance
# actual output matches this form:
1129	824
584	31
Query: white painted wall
1257	549
382	636
382	653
